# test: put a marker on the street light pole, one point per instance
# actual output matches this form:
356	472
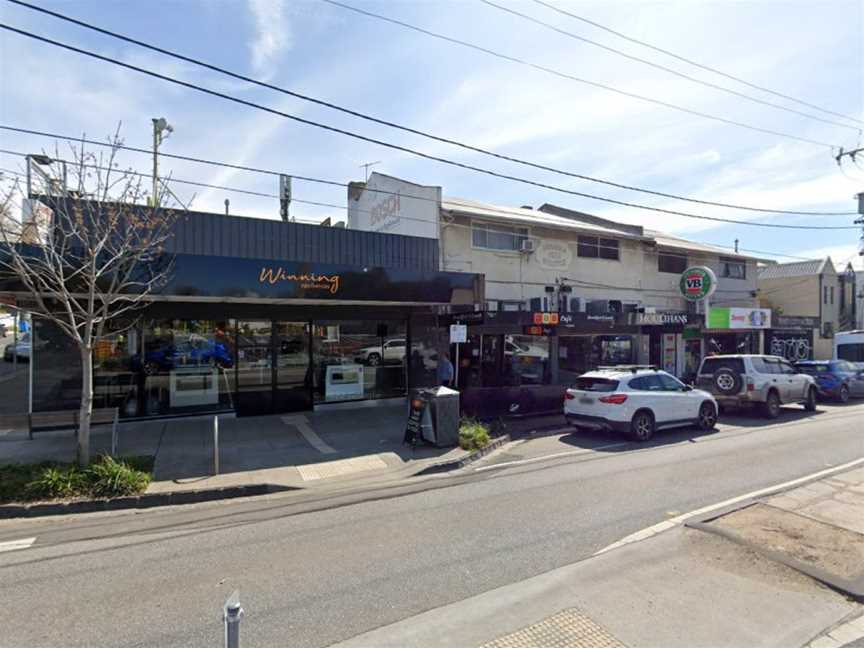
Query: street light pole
160	126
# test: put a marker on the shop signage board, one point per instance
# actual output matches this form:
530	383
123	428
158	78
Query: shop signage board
739	318
697	283
545	318
470	317
796	322
554	255
458	334
230	277
660	319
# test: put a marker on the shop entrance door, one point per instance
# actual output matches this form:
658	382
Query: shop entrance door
272	367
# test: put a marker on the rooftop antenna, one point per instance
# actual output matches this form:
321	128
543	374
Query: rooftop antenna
367	165
736	246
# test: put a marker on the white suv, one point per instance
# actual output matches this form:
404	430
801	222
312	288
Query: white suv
637	401
763	380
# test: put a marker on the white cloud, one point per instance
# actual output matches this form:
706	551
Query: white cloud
272	34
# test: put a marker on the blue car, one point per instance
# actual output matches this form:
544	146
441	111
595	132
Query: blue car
836	379
196	351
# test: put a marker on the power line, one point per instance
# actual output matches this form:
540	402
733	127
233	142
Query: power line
695	63
343	184
658	66
344	208
403	128
570	77
397	147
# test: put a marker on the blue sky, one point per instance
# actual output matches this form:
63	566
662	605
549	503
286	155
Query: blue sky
810	50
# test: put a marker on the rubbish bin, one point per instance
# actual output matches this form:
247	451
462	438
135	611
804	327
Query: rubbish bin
444	409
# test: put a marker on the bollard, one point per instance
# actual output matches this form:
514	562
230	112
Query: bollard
215	445
232	615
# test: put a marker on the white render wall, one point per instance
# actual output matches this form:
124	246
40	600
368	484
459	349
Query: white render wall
633	279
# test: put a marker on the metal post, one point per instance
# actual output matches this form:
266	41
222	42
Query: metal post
456	372
15	342
232	615
155	162
215	445
114	434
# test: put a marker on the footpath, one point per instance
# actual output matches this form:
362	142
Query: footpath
785	570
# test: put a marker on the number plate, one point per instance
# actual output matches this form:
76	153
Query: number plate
586	400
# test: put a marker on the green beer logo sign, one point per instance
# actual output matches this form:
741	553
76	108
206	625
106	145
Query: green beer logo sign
698	283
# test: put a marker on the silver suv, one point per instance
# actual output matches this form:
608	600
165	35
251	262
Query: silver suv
761	380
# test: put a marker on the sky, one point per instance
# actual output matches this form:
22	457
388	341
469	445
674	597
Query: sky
813	51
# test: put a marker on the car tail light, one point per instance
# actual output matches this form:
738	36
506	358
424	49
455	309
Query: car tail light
750	385
614	399
568	396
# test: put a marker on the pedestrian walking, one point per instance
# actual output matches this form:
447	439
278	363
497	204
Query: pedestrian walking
445	370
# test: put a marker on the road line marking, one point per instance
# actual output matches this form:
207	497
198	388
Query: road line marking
12	545
302	425
673	522
556	455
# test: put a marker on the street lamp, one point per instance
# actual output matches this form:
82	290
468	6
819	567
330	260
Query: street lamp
42	160
160	127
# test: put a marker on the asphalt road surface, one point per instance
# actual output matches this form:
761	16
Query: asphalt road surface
311	572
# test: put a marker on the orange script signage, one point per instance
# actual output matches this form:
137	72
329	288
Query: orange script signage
312	280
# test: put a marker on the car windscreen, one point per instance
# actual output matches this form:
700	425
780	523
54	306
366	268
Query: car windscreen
813	369
596	384
711	365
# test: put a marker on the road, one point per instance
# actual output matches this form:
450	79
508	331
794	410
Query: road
311	573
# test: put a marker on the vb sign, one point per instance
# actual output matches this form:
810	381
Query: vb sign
698	283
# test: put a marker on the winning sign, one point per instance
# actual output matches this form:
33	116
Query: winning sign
697	283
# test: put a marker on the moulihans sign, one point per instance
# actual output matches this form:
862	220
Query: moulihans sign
697	283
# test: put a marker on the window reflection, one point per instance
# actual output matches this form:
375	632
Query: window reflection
526	360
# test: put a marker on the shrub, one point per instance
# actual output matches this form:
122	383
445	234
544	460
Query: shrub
473	435
108	477
53	481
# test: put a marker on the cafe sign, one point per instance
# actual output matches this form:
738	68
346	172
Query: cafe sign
697	283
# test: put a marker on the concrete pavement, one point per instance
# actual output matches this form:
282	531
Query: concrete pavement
314	571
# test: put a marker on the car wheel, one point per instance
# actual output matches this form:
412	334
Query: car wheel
844	394
642	426
707	417
771	406
727	382
373	360
810	403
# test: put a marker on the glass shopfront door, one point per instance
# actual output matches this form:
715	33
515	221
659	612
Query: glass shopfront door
272	367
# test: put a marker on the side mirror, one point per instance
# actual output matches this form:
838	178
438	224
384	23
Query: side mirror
686	388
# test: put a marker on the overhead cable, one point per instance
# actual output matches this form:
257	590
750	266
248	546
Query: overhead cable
405	149
565	75
701	66
413	131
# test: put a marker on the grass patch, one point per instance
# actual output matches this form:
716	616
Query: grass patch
473	435
105	477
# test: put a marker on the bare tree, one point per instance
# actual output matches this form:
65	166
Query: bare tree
95	256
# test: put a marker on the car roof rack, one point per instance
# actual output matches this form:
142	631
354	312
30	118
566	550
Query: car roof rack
632	368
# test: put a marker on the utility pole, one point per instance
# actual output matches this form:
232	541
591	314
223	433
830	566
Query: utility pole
860	221
850	154
736	246
160	126
284	196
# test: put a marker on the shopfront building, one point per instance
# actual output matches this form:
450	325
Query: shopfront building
337	317
792	337
736	330
517	363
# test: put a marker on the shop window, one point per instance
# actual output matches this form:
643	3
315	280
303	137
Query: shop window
573	357
671	263
612	350
187	366
592	247
356	360
498	237
526	360
116	379
510	306
733	269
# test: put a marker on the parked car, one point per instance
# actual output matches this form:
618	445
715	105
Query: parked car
195	351
22	349
763	381
836	379
637	401
391	352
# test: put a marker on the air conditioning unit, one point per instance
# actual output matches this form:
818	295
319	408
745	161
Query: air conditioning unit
529	246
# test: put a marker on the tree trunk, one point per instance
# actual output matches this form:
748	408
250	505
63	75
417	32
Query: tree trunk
86	410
